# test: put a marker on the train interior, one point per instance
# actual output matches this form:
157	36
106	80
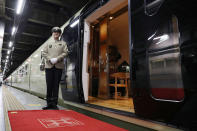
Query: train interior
107	60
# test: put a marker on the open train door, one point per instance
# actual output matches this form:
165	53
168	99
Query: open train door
156	60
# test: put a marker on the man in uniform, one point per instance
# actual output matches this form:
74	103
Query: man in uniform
54	53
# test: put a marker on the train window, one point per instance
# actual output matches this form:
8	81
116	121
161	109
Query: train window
157	64
156	44
26	69
166	83
171	62
26	66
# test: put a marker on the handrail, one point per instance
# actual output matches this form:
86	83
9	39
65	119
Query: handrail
151	5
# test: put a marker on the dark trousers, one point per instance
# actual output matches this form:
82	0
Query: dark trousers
53	77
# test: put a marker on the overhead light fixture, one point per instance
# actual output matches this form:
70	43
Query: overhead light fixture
8	52
19	6
10	44
110	17
13	30
7	57
74	23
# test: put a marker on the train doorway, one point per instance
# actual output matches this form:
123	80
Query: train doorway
106	68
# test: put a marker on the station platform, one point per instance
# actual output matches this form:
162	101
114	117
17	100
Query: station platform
15	101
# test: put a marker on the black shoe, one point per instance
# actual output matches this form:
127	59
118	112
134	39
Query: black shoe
55	108
46	107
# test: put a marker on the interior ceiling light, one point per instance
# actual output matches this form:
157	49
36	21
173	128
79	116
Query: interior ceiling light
19	6
13	30
110	17
8	52
10	44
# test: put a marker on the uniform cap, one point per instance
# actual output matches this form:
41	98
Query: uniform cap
56	29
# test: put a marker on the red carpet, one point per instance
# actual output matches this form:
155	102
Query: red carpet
56	120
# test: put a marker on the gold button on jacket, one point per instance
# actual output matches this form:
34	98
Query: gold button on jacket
55	49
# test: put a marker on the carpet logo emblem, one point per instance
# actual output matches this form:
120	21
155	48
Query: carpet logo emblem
60	122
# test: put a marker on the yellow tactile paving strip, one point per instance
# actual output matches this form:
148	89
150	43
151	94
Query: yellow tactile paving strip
10	103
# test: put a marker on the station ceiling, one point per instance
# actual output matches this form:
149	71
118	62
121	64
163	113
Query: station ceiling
34	26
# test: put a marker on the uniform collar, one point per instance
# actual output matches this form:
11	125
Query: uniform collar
56	41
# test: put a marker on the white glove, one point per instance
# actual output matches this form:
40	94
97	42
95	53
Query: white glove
53	60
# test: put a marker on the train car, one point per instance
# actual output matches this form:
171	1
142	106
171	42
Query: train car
134	57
